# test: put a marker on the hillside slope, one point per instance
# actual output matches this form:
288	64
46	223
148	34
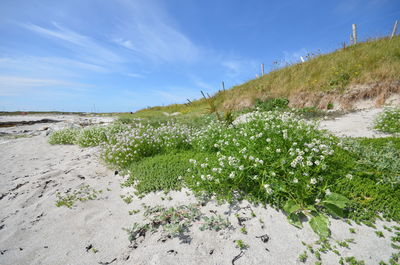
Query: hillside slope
365	71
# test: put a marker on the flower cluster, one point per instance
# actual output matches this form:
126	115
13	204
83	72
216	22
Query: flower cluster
143	140
264	153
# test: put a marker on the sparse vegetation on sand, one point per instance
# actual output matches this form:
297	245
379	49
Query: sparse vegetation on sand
268	154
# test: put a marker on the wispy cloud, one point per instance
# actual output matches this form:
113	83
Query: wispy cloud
48	66
24	86
148	31
84	46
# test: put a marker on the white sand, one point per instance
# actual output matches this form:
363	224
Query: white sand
34	231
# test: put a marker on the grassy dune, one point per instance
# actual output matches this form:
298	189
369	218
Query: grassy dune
364	63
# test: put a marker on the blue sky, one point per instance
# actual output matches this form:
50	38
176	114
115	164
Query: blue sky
124	55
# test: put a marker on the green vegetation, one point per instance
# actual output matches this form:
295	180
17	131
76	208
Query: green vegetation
161	172
84	193
240	244
66	136
303	257
389	121
215	223
173	221
273	157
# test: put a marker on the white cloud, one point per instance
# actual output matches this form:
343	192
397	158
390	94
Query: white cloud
84	46
148	31
23	86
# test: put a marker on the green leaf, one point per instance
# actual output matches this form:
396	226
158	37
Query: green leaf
336	199
294	219
334	210
320	225
291	206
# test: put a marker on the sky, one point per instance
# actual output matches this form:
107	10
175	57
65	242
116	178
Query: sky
125	55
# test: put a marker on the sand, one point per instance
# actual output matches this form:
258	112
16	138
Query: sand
34	231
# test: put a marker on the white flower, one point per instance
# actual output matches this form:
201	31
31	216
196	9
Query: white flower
268	140
349	176
241	167
295	180
267	188
313	181
317	200
232	175
278	150
328	192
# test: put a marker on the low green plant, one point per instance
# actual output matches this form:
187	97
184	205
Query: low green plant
303	257
173	221
351	261
128	199
161	172
379	233
388	121
84	193
241	244
65	136
215	223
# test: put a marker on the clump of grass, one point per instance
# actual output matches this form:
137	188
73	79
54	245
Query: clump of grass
65	136
388	121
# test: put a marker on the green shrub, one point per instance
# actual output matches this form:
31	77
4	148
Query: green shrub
388	121
272	104
65	136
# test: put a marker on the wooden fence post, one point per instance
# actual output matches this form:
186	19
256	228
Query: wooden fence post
223	86
354	27
262	69
394	29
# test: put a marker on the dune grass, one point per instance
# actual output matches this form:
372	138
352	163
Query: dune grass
368	62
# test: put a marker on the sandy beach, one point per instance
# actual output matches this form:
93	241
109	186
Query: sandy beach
34	231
